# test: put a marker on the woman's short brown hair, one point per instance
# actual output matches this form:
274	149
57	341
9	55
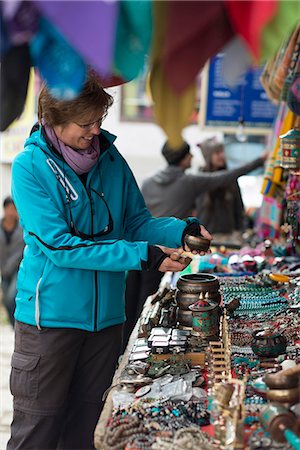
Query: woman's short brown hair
92	100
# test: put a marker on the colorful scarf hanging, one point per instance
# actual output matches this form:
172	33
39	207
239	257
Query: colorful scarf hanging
133	37
172	112
195	31
249	18
281	26
88	26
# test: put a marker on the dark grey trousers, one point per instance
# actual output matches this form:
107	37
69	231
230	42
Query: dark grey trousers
58	378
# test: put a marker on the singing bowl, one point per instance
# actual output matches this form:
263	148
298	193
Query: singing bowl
197	243
195	283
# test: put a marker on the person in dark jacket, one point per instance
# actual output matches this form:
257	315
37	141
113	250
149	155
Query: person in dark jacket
11	250
173	192
85	224
221	208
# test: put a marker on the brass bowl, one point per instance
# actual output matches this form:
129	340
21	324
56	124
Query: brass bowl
289	396
284	379
198	243
195	283
268	343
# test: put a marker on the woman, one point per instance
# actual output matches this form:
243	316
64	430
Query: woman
85	223
222	209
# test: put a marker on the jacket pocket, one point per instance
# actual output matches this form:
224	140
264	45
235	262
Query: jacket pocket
24	377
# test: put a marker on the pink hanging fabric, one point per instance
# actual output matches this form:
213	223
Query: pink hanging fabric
249	17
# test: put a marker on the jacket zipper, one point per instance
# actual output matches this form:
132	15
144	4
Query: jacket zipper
95	272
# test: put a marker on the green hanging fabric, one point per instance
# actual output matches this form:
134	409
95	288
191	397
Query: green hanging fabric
172	112
133	37
287	17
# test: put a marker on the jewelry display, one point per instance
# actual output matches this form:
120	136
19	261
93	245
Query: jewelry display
243	350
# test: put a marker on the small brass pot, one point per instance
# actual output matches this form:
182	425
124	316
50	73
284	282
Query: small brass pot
267	343
195	283
198	243
284	379
289	396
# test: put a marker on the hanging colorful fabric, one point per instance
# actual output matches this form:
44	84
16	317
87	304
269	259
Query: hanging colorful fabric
58	63
249	18
14	77
21	21
89	27
171	112
133	37
269	221
192	26
286	62
293	97
273	174
281	25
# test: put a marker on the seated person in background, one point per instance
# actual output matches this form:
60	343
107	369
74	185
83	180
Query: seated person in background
221	208
173	192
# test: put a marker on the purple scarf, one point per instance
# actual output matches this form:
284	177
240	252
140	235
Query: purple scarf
81	161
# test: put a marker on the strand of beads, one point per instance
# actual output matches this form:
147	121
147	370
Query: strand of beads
186	439
120	430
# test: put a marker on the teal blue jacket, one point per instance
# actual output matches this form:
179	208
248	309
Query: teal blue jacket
66	280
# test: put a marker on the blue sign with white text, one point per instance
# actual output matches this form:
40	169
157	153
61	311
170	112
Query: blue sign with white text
247	100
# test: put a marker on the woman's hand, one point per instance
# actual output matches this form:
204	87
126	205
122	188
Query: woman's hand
204	233
168	265
172	265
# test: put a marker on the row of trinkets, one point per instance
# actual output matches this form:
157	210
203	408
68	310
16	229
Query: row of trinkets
140	424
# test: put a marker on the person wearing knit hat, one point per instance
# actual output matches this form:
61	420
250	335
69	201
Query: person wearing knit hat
211	204
174	156
213	153
173	191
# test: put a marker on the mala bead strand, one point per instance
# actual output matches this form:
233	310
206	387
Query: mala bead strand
120	430
186	439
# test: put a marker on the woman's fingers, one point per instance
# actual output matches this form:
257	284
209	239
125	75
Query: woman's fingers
168	265
205	233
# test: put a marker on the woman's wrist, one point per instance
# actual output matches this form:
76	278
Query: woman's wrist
155	257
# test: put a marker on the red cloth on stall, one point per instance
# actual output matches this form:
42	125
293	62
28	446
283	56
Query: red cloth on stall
249	17
195	31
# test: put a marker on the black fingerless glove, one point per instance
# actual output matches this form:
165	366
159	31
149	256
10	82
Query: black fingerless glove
155	258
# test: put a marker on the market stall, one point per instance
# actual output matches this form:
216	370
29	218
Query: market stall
214	361
223	372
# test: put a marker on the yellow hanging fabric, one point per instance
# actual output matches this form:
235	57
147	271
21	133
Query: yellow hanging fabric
273	173
172	113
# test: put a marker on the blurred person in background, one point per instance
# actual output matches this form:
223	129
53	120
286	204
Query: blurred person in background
85	224
173	191
221	208
11	250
